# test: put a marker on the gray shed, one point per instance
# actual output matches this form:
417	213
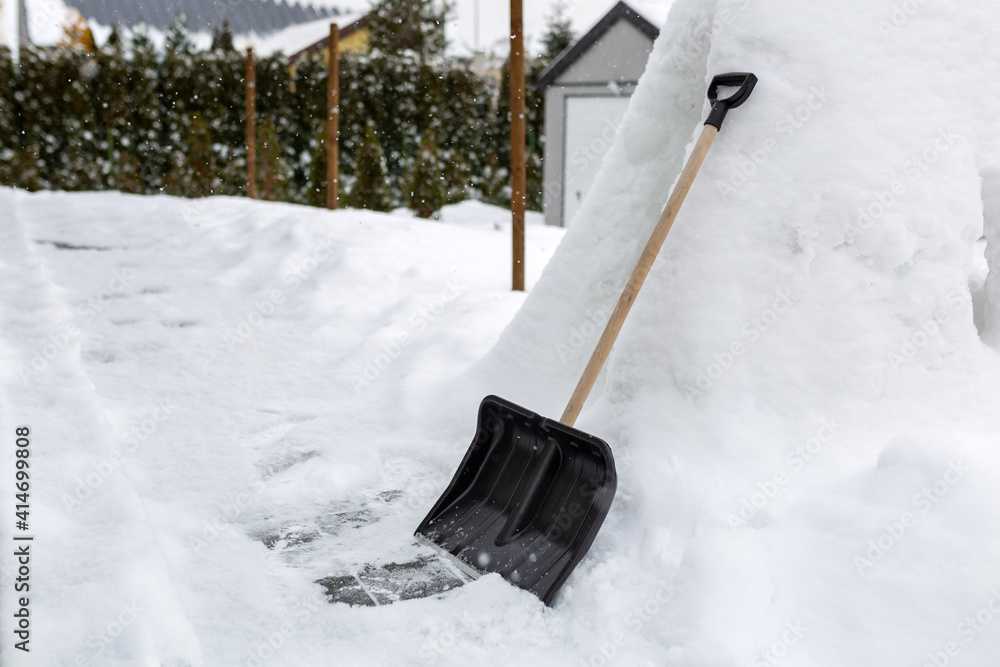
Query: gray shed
587	88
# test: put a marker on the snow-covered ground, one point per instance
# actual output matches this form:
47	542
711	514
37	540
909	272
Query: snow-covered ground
205	380
231	400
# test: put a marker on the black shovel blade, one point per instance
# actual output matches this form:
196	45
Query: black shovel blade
527	500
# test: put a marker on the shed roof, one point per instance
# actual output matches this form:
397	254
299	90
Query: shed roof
567	58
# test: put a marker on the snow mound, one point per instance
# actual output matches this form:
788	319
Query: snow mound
801	403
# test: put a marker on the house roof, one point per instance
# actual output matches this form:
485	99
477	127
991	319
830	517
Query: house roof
315	36
244	16
566	59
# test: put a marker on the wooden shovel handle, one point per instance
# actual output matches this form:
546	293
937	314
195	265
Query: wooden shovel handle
639	274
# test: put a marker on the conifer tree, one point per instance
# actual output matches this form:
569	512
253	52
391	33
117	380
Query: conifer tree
558	32
424	181
222	38
316	195
397	26
9	146
114	42
200	158
127	176
178	38
148	114
271	168
141	41
371	187
110	88
27	170
534	105
74	158
494	181
222	91
193	172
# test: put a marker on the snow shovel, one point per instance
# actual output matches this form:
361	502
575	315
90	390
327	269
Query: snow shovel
531	493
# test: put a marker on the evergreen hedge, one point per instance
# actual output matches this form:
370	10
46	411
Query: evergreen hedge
133	119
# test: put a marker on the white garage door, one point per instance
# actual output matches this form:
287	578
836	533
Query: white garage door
591	123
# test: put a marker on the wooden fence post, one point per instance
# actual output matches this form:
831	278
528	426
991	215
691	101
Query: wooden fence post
518	185
251	125
333	120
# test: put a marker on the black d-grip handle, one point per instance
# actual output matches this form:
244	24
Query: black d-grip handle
744	80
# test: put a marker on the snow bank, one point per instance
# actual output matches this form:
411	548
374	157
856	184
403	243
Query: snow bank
802	367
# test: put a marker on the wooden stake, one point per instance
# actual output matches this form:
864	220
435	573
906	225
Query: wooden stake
638	277
251	125
333	119
518	177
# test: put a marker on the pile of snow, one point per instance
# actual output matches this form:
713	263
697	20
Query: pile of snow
472	212
802	407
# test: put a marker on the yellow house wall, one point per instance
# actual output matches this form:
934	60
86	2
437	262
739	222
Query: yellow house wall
356	42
